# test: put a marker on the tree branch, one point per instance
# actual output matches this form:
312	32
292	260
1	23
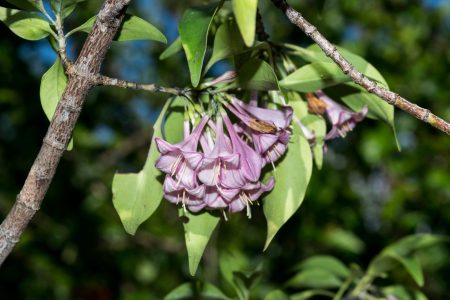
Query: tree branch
60	130
330	50
151	87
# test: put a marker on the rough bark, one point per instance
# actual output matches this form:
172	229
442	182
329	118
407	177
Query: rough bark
60	130
372	87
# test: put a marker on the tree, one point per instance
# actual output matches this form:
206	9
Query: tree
258	68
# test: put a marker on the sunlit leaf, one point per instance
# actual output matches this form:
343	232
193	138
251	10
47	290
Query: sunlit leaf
310	294
194	27
313	77
227	42
53	83
277	295
289	191
257	75
132	28
245	12
27	25
136	196
173	49
197	232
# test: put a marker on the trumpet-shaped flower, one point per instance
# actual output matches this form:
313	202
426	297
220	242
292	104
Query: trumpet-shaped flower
182	159
342	119
192	198
220	167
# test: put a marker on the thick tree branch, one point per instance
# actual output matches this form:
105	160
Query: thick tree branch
60	130
330	50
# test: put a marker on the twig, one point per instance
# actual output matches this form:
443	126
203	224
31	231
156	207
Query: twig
60	130
330	50
151	87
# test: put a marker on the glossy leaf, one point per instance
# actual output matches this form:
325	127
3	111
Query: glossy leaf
53	83
194	27
313	77
343	240
136	196
173	49
27	25
257	75
197	232
245	12
133	28
227	42
289	191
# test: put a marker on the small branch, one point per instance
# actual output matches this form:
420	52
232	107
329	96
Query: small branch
108	81
330	50
63	122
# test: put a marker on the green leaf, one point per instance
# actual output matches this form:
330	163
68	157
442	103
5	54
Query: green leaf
227	42
314	54
136	196
194	290
132	28
378	109
174	48
27	25
289	191
245	12
53	84
402	252
194	27
317	125
316	279
276	295
326	263
183	291
257	75
311	293
313	77
401	293
343	240
25	4
174	121
197	232
64	7
230	262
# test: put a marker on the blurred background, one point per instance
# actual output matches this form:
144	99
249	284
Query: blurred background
366	196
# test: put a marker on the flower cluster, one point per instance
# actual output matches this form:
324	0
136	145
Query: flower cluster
218	165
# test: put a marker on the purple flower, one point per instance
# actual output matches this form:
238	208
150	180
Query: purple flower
268	129
220	167
182	159
249	161
176	193
217	197
248	194
342	119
